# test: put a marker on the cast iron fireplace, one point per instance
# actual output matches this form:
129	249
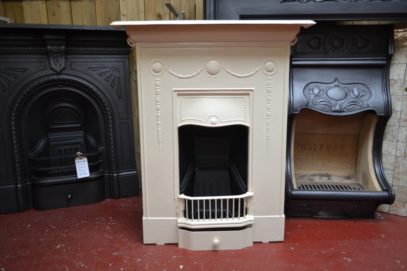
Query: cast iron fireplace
64	90
213	109
339	107
339	102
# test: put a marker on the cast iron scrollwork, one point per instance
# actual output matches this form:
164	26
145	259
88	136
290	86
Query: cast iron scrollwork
337	96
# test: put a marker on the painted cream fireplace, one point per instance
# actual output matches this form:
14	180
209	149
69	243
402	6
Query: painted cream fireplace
213	102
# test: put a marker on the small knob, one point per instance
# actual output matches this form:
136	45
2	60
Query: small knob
213	120
216	242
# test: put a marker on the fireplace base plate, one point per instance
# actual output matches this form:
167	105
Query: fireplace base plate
331	208
71	194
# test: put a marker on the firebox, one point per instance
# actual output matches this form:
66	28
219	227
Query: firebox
213	108
213	161
64	90
332	153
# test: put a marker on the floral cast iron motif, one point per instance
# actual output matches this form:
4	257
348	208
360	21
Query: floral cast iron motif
8	76
337	96
111	75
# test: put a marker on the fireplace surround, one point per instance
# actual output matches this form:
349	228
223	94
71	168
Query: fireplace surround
213	109
64	90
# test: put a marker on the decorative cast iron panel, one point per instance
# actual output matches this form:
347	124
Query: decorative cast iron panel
328	41
111	75
337	96
8	76
341	69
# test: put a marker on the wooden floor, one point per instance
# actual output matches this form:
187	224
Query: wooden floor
108	236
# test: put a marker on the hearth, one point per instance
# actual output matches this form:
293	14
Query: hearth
213	108
64	90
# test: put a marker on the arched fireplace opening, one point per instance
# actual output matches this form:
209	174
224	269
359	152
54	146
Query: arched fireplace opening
55	118
333	153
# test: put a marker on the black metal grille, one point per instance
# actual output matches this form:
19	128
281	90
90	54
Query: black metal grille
63	165
53	158
331	187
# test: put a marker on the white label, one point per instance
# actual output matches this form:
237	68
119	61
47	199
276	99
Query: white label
82	168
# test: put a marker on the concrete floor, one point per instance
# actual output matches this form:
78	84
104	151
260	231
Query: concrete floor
108	236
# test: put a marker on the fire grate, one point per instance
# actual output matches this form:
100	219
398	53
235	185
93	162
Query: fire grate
215	211
331	187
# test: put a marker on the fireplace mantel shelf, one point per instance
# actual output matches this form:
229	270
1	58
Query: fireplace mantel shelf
212	31
209	22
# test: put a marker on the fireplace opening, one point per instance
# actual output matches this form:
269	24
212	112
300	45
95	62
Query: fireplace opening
213	171
58	121
65	131
213	161
333	153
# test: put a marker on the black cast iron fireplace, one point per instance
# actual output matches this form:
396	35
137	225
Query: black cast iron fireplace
339	102
64	90
339	107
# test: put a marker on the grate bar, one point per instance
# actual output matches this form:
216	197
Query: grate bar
207	208
331	187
